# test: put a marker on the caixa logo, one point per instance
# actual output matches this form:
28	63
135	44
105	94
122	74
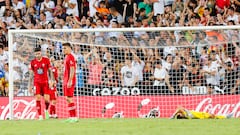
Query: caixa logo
116	91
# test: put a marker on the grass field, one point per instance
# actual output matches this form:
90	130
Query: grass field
121	127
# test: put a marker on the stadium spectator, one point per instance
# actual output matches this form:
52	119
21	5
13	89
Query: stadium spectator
115	15
230	77
95	68
2	81
129	75
99	36
203	56
236	5
6	78
167	62
58	12
18	5
71	7
42	21
209	71
193	76
114	24
146	5
138	64
47	8
147	82
3	56
89	23
101	9
235	89
205	18
130	9
109	78
108	60
177	74
169	48
3	39
232	16
177	7
161	80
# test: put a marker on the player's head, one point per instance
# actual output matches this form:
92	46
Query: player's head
38	53
67	48
180	116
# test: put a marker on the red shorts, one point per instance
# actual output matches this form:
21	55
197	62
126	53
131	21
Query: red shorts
53	94
41	88
68	91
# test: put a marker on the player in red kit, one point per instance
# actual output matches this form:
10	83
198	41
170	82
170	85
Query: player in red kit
53	90
40	69
69	80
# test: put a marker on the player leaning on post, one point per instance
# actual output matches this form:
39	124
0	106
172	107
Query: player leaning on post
40	69
69	80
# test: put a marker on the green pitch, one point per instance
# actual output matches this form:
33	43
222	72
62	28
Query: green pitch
121	127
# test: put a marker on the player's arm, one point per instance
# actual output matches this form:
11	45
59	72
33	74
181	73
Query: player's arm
30	82
52	80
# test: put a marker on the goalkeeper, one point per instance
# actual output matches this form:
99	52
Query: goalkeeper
183	113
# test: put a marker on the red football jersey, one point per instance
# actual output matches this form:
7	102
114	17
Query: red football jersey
69	61
40	69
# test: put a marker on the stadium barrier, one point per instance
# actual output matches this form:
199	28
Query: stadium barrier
129	106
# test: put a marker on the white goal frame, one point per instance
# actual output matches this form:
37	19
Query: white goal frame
11	32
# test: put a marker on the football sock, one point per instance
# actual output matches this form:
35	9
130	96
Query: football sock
46	105
72	110
38	105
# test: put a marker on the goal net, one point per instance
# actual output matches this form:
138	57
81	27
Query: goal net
132	72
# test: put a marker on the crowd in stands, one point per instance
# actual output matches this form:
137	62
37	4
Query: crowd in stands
172	59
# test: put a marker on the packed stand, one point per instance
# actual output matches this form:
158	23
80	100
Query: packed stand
210	59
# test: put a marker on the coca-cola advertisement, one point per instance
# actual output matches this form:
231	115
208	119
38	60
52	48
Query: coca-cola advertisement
126	106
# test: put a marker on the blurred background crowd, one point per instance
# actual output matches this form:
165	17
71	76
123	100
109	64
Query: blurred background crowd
155	62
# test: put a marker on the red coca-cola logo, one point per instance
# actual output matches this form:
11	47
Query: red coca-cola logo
206	105
22	110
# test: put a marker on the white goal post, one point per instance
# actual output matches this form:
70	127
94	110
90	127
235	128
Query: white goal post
187	96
